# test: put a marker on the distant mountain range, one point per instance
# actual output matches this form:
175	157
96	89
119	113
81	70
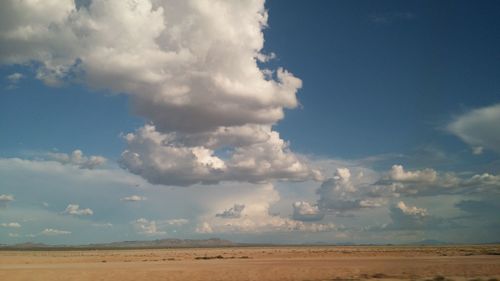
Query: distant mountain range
160	243
430	242
169	243
191	243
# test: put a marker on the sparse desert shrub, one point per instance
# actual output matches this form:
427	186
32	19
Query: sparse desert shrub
379	275
209	258
439	278
344	279
493	254
480	279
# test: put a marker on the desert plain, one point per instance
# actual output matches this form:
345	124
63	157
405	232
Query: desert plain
481	262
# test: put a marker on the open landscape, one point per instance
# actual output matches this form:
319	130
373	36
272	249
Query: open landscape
473	262
249	140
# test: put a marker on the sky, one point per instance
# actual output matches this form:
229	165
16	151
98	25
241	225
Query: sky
276	122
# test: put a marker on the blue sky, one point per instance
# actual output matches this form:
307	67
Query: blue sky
390	131
401	77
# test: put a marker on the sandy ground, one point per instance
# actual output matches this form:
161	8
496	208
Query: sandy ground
256	263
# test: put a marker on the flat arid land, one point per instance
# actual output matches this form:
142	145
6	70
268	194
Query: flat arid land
258	263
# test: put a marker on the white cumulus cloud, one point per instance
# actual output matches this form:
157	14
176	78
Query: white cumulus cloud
147	227
6	198
74	209
256	217
426	182
341	194
398	173
77	158
411	210
164	159
304	211
11	224
193	73
405	217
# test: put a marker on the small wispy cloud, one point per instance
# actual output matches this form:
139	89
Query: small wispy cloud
14	79
133	198
177	222
53	232
478	128
105	225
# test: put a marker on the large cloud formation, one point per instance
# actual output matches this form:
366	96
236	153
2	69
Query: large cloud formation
166	159
405	217
345	193
341	193
253	215
428	182
193	73
408	217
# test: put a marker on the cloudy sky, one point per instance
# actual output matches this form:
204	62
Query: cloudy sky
284	121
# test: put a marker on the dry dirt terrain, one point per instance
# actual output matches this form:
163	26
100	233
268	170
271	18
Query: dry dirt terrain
257	263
